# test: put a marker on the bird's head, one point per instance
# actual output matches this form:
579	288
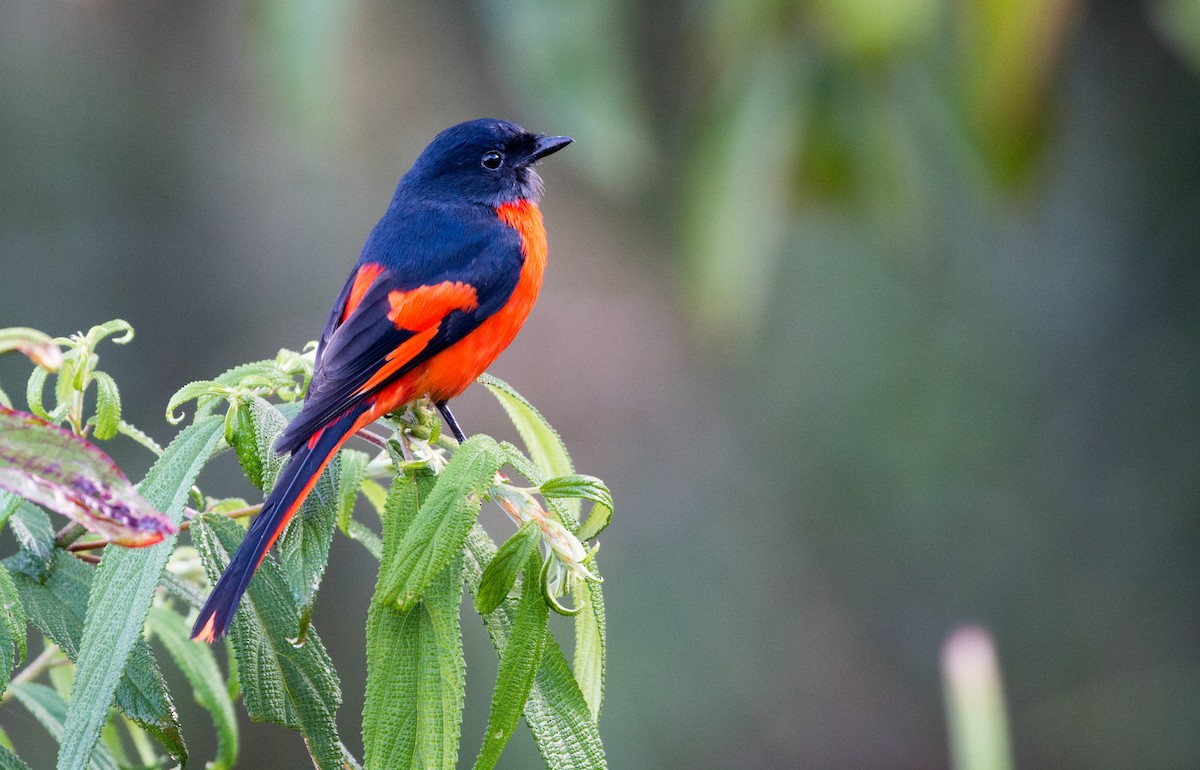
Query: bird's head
485	161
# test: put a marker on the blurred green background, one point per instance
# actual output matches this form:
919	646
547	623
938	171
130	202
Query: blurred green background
879	317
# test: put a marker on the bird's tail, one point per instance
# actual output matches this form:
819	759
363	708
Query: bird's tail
295	481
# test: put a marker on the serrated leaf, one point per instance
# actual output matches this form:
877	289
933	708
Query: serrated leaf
501	573
34	388
519	661
8	506
51	711
351	477
56	607
282	683
597	521
35	536
240	434
121	593
129	429
582	487
264	424
10	761
353	471
576	485
442	523
589	647
64	382
52	467
109	328
110	738
189	392
12	628
542	441
199	666
304	546
590	632
556	712
356	530
108	406
415	670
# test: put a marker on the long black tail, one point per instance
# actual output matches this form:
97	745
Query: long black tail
295	481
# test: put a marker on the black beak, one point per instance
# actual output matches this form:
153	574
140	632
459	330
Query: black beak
546	145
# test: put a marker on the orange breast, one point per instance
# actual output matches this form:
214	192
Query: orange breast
451	371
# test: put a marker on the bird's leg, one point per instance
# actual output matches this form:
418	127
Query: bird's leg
450	421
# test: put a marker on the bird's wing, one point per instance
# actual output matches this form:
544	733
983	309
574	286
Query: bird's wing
383	326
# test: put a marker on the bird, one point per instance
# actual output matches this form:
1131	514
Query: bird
444	282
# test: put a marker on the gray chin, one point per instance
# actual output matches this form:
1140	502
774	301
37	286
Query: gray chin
529	184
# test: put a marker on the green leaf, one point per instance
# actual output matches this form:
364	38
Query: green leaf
353	473
241	435
35	536
12	628
56	606
304	546
286	684
109	328
34	389
199	666
8	506
501	572
354	470
415	669
64	383
189	392
590	640
586	488
10	761
108	406
369	540
577	485
52	467
519	661
442	523
556	712
590	646
122	591
545	446
597	521
51	711
375	494
135	433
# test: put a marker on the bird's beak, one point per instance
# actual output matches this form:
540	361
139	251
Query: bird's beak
545	145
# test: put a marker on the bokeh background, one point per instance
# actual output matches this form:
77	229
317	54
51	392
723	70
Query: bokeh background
879	317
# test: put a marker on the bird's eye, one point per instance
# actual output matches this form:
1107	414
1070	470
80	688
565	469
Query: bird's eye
492	160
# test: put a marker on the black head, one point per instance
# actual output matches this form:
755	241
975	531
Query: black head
483	161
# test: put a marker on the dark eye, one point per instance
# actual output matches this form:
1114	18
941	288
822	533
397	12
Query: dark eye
492	160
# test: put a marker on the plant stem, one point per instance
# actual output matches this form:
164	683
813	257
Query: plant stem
78	549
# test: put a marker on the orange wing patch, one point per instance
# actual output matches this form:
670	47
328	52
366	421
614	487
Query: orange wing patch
421	311
425	306
362	281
